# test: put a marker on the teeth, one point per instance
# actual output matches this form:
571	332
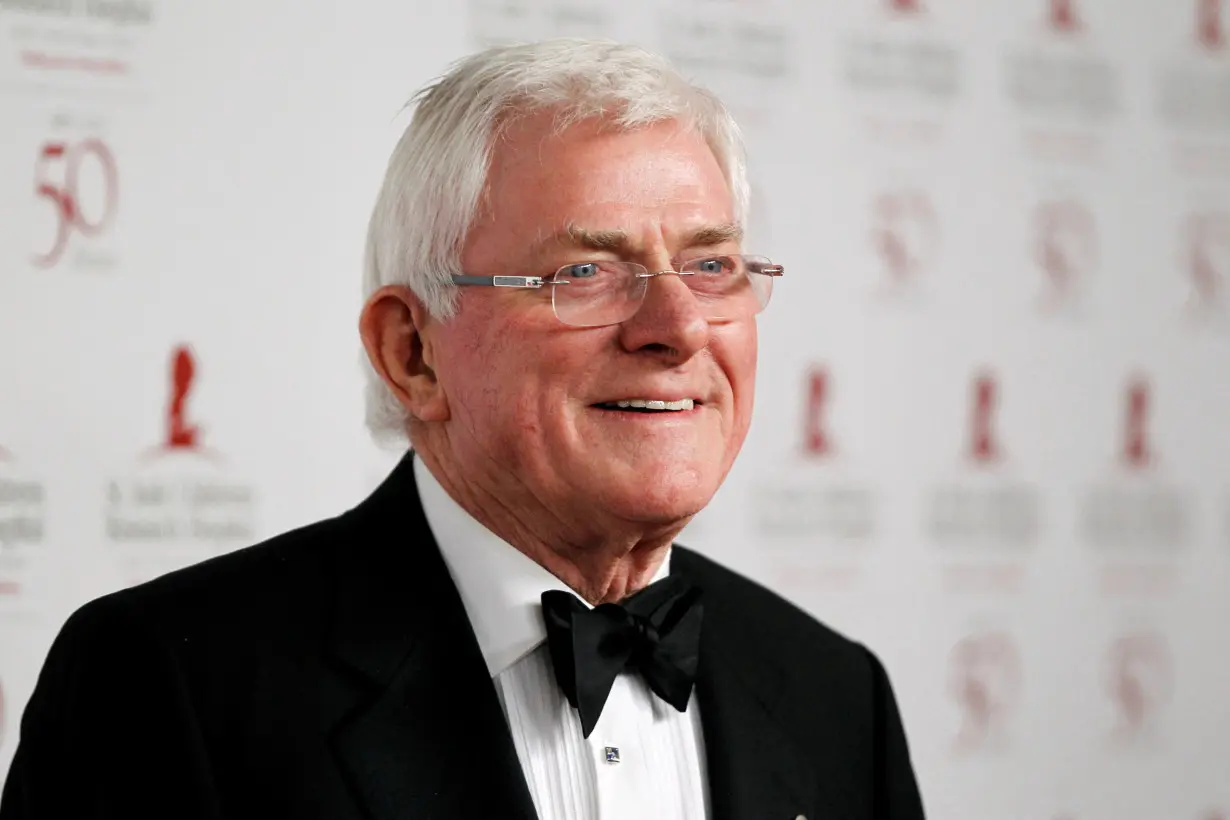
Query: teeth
656	404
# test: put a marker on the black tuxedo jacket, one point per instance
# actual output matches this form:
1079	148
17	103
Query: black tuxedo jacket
332	673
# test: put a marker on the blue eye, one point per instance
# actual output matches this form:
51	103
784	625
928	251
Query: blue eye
584	270
715	265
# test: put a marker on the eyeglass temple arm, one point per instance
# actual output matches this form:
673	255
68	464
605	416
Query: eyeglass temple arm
501	281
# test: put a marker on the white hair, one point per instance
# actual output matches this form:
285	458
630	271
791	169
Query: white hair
436	174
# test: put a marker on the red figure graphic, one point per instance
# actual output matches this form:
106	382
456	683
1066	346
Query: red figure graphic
5	455
1207	244
1063	16
1136	450
1208	24
1055	262
1139	681
180	434
907	6
896	256
1055	259
983	445
904	232
1131	697
815	437
1065	244
985	677
1205	278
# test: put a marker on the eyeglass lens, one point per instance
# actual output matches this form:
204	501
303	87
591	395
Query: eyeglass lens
591	294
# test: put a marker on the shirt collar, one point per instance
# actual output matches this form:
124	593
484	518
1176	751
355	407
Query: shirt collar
500	586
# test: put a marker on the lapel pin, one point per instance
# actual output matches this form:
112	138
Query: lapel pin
612	754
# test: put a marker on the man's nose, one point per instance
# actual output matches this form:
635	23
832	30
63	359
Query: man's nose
670	320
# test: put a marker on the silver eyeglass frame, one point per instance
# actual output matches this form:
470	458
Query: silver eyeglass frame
767	268
539	281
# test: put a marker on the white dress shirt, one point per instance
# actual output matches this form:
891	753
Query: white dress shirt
660	769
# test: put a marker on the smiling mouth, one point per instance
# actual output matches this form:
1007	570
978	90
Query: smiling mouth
649	405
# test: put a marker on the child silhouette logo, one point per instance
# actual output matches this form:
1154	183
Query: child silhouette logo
1139	682
1063	16
1137	451
1209	31
984	448
180	434
1206	255
985	681
904	233
1066	247
816	441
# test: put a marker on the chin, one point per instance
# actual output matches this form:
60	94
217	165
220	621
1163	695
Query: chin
667	497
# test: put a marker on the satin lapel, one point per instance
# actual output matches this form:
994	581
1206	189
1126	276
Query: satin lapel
427	736
758	767
756	770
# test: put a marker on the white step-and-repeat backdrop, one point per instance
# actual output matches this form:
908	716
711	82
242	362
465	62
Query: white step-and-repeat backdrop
993	430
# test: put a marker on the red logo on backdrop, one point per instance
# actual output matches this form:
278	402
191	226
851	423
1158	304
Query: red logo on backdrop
985	680
1137	450
1139	680
1066	243
181	434
57	174
905	232
1209	31
816	441
1064	17
984	444
1207	251
906	6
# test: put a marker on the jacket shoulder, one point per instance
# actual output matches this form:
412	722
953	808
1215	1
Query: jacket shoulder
238	595
818	680
759	619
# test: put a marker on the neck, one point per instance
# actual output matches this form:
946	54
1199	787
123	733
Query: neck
602	561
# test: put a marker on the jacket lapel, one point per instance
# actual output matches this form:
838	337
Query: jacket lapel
427	736
758	769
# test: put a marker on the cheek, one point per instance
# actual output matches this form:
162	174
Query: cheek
739	355
474	370
501	379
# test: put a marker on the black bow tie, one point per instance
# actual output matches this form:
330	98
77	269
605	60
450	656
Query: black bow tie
655	632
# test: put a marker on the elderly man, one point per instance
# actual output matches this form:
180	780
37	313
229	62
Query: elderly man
562	321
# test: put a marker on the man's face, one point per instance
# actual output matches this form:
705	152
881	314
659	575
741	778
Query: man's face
525	391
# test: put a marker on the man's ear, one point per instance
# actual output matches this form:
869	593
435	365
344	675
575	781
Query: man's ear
397	335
